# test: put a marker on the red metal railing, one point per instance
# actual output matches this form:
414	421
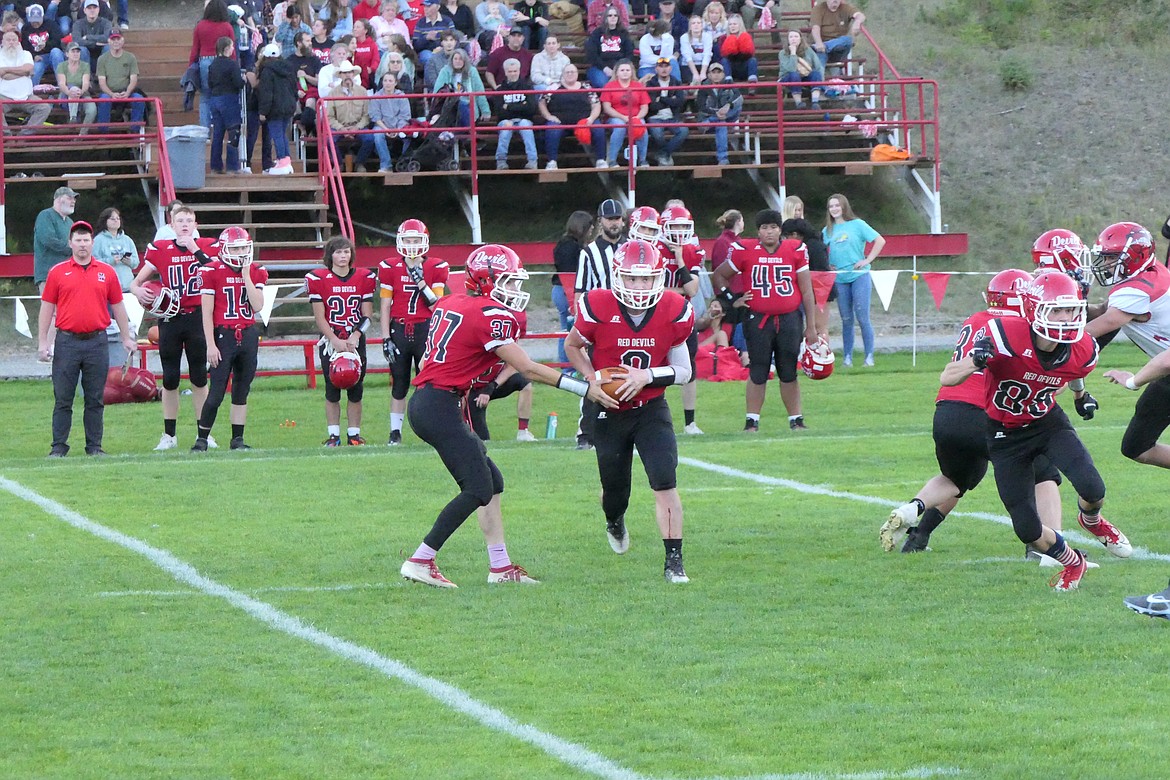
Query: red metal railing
329	171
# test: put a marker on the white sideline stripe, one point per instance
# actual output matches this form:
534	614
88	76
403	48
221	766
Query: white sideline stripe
1139	553
562	750
273	589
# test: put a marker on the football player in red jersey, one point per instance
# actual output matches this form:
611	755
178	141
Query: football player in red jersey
177	263
410	285
342	298
960	434
501	381
781	308
1027	361
643	328
469	333
232	294
683	258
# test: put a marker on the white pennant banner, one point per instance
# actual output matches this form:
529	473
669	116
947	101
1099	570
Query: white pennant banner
134	312
883	282
22	319
270	292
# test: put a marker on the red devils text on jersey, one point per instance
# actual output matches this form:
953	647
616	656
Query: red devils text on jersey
771	276
464	332
1019	389
178	268
407	304
974	389
693	256
604	323
493	372
342	296
232	307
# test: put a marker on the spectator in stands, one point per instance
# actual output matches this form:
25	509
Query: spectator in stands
287	31
57	15
307	68
254	127
366	9
493	74
393	62
491	15
597	14
738	50
750	10
566	259
387	23
322	43
461	76
410	63
607	45
697	47
16	67
532	19
339	17
564	107
439	59
665	106
242	18
388	115
657	44
515	109
429	29
365	50
676	23
117	76
548	64
277	98
113	247
348	116
93	32
226	83
329	77
847	238
796	226
460	16
624	102
213	26
73	80
42	42
304	10
721	104
51	233
799	64
715	21
835	24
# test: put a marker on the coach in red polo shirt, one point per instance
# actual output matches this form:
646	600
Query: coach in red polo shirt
81	292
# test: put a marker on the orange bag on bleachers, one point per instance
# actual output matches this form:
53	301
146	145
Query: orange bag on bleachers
888	153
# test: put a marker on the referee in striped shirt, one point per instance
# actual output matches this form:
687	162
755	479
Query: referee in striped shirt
593	272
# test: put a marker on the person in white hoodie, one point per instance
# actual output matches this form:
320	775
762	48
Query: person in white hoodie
548	64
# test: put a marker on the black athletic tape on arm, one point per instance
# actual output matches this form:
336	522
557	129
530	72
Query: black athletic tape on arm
662	376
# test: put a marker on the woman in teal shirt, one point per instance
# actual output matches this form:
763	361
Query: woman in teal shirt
847	236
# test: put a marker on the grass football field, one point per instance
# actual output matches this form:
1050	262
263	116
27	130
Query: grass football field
240	615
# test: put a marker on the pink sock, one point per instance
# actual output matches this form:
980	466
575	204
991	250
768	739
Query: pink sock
498	556
424	553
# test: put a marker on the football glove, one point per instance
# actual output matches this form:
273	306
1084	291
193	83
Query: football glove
1087	406
981	352
390	350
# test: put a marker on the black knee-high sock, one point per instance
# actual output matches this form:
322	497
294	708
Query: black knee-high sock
931	519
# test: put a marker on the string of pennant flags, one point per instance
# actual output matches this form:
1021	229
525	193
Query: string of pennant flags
883	280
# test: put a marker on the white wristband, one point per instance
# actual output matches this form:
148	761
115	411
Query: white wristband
1130	384
575	386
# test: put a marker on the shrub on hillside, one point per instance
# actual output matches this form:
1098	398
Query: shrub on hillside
1015	75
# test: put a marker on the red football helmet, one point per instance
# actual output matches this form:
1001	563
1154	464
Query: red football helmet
637	259
413	239
1054	307
678	226
1003	291
816	360
495	270
1060	249
164	301
644	224
235	247
345	370
1123	249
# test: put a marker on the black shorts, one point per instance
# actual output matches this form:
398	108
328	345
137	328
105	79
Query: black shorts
411	340
179	334
1151	417
773	338
960	446
478	416
352	394
650	429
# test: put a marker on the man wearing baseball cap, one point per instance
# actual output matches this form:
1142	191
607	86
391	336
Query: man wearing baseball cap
80	293
721	104
42	41
51	234
17	84
92	31
117	76
493	74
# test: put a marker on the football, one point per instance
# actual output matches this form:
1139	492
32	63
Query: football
610	386
152	334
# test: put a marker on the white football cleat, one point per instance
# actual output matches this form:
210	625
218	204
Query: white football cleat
525	435
425	572
166	443
893	531
619	537
692	429
1108	535
211	443
510	573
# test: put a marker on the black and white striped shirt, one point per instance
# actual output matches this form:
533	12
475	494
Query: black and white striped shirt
593	271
